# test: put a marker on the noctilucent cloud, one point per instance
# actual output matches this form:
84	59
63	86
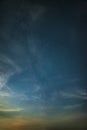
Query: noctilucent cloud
43	64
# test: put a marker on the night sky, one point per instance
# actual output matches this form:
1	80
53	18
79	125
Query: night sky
43	63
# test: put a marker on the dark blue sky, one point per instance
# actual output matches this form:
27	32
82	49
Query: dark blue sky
43	48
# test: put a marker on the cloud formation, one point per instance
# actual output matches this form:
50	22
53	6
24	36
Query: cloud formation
36	11
79	94
7	69
11	112
4	94
10	62
73	106
82	92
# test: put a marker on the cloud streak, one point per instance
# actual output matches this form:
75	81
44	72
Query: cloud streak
6	73
36	11
80	94
9	61
4	94
73	106
73	95
4	79
11	110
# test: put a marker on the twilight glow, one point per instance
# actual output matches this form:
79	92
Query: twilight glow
43	65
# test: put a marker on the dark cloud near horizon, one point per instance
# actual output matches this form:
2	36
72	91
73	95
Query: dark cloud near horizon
8	114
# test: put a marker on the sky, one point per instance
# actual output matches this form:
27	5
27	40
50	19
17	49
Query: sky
43	65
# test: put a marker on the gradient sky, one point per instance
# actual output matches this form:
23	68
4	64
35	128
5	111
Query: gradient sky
43	64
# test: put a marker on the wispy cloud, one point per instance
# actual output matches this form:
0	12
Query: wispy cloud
36	11
11	110
9	61
37	88
77	94
5	73
22	97
72	106
4	79
12	94
4	94
82	92
36	97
